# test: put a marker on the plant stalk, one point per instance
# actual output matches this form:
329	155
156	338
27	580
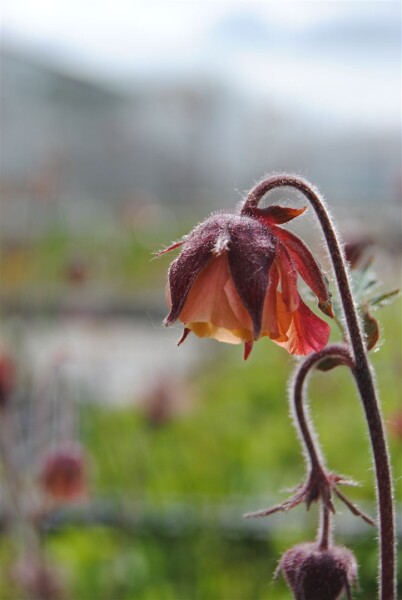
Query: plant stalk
304	427
362	371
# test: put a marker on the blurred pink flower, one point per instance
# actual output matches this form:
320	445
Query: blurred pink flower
62	474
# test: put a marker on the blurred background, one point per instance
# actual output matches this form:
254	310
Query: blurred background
127	463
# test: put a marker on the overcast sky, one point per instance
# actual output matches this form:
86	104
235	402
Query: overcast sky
340	57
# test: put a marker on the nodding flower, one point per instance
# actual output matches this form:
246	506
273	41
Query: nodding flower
235	280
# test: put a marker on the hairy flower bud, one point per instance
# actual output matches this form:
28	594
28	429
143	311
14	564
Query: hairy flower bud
315	574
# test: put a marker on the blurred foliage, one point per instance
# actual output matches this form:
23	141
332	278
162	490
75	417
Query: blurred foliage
118	260
236	442
234	446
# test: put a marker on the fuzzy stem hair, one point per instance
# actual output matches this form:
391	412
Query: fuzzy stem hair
362	371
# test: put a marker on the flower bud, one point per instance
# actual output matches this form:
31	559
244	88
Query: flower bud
315	574
62	474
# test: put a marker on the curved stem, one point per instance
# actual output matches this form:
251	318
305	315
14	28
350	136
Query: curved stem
306	434
325	531
362	371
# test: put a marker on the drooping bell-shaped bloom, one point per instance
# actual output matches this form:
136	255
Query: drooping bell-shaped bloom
235	280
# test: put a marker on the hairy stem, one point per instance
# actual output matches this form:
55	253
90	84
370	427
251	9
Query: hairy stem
362	371
306	433
325	531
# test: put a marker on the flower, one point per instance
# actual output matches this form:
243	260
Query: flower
318	574
235	280
62	475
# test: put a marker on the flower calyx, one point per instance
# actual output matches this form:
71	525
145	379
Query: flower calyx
320	486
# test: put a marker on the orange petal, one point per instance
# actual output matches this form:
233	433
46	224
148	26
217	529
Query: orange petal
307	332
271	327
207	310
237	305
284	319
288	275
308	268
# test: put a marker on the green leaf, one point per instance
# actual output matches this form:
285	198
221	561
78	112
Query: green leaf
384	299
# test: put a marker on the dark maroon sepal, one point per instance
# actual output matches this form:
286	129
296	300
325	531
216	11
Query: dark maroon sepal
252	252
277	215
184	336
195	255
169	248
248	346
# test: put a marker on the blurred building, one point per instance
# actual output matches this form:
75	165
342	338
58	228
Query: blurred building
72	148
